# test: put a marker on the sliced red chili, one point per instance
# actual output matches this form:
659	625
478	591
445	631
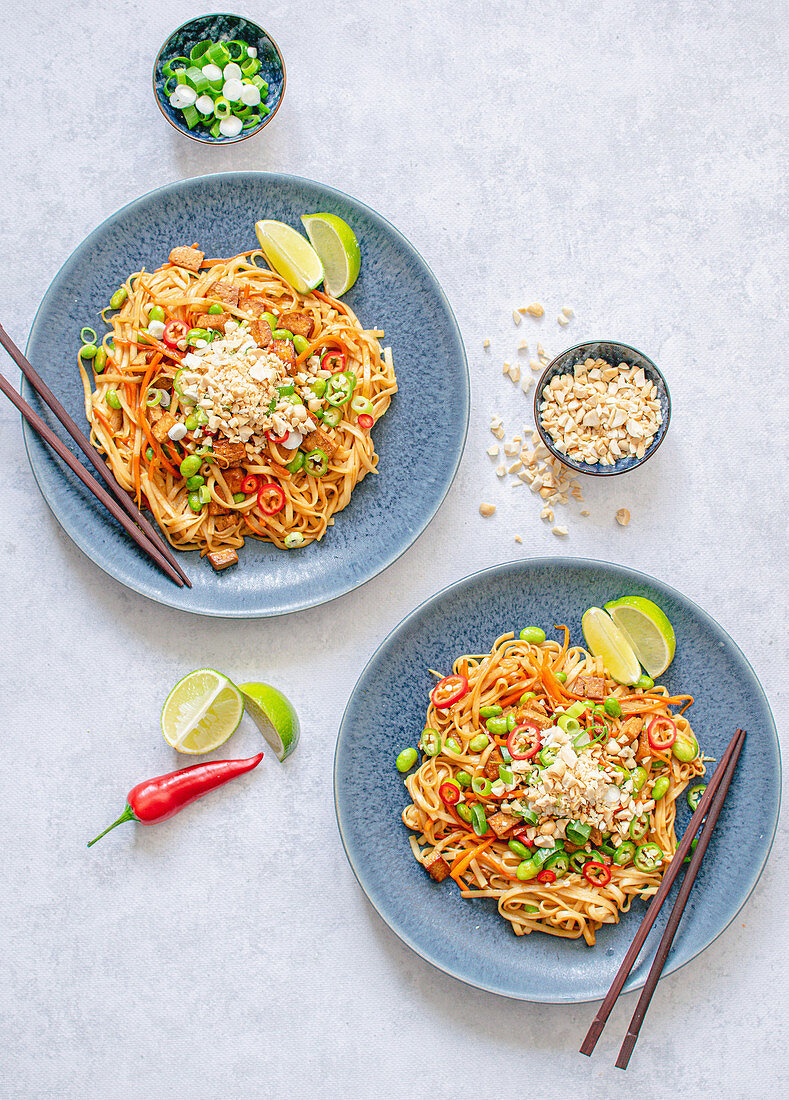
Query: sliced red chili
250	484
365	421
450	793
521	831
546	876
525	741
271	498
596	873
653	733
333	361
272	438
448	691
175	333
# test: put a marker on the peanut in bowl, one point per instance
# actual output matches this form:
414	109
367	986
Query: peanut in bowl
602	408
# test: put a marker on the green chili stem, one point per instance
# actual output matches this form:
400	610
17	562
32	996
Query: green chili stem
127	815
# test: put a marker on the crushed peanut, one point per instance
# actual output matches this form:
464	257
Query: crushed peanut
567	312
523	345
486	343
535	310
601	413
559	531
516	317
623	517
487	509
493	451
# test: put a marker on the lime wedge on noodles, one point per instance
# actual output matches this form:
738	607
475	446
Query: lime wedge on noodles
334	241
605	639
201	712
290	255
647	629
274	715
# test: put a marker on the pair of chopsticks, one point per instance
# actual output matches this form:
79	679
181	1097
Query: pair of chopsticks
116	501
709	808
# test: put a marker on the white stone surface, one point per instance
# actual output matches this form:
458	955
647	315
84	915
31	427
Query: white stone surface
626	159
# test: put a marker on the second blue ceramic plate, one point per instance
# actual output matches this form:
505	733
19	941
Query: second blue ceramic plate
386	712
420	440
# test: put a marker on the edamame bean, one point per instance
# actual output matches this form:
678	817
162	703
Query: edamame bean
270	320
195	503
497	725
88	351
489	712
479	742
215	309
527	695
561	677
239	497
119	297
190	423
300	343
644	683
463	778
685	748
149	453
406	759
319	387
156	314
113	400
282	334
512	722
527	870
195	482
519	849
660	787
533	635
99	360
464	812
612	707
190	465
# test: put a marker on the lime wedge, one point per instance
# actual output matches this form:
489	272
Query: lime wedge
274	715
201	712
606	640
647	629
290	255
334	241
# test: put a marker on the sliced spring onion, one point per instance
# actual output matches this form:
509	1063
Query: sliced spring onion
250	95
293	539
205	494
191	117
230	127
212	72
153	397
88	336
231	71
232	90
205	105
199	50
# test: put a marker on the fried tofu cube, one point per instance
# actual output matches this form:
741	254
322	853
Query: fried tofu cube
224	292
234	478
162	427
300	324
492	764
190	258
319	440
229	454
592	687
261	332
220	559
632	727
213	320
437	867
215	509
224	521
501	823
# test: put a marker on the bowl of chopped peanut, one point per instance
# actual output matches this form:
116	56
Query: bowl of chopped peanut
602	408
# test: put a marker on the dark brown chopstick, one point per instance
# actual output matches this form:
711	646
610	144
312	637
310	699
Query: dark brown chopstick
673	869
90	452
676	913
87	479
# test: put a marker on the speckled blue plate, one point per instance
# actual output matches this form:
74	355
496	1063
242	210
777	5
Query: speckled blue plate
396	291
468	939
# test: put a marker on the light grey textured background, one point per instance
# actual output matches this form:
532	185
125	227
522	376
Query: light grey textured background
626	159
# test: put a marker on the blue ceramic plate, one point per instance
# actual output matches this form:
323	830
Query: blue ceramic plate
386	712
396	291
220	27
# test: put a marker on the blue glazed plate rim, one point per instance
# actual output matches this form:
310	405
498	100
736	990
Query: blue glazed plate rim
674	964
167	594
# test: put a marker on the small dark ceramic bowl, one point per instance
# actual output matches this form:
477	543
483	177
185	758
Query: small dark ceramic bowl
220	27
617	355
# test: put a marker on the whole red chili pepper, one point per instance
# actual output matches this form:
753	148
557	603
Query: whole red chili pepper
156	799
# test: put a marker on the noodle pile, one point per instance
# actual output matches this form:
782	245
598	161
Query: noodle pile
481	862
148	468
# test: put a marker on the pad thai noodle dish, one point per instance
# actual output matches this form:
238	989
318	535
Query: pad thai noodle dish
548	786
230	405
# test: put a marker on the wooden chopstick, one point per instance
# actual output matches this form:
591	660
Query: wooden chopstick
90	452
88	479
676	913
673	869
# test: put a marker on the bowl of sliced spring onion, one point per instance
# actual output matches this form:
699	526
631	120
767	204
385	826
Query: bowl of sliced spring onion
219	79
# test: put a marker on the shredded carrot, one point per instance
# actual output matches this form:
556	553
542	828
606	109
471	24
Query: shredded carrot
322	341
462	861
566	643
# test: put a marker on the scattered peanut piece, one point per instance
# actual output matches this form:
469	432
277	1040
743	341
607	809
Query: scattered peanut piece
585	512
527	383
535	310
560	532
535	365
515	374
567	311
493	451
523	346
486	343
487	509
623	517
563	320
518	538
501	470
516	317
